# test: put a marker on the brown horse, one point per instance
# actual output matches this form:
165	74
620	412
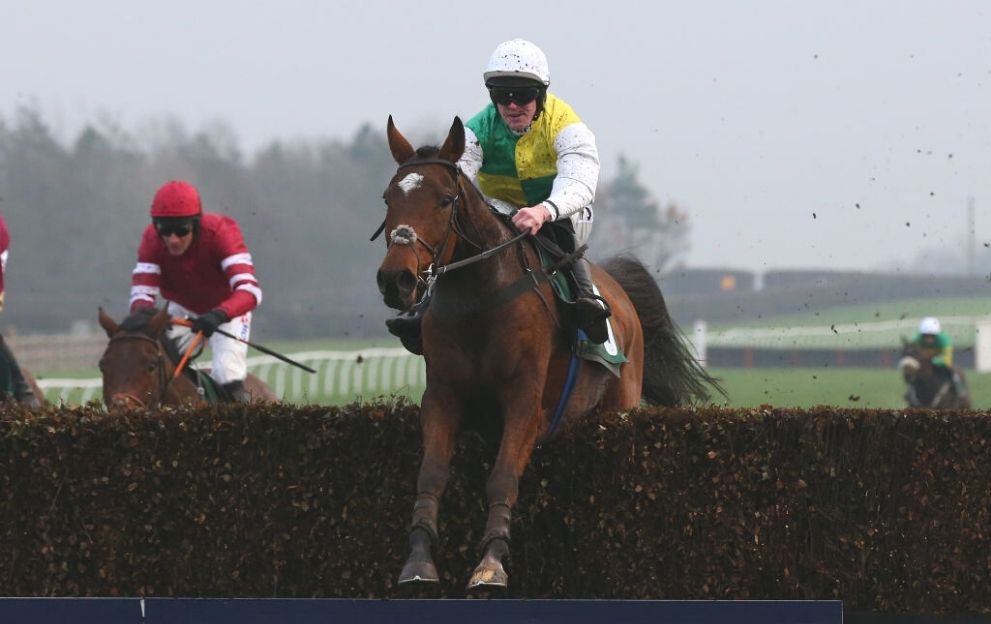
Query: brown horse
139	364
928	385
497	354
38	392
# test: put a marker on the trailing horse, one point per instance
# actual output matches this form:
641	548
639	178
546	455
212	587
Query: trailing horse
497	353
139	363
928	385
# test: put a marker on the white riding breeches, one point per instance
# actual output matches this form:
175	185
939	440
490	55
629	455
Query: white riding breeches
582	222
230	357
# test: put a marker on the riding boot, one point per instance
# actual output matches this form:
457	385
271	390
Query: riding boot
237	391
22	391
591	310
408	327
958	386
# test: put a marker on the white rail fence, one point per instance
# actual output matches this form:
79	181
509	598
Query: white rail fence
345	375
966	332
340	376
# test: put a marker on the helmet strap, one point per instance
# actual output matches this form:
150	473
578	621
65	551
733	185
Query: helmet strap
540	104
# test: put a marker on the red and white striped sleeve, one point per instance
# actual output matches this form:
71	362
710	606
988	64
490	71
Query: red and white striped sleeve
246	293
4	253
147	274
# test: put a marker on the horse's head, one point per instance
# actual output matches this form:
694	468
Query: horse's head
135	365
913	362
421	207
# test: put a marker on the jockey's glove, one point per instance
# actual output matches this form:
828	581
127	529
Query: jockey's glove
209	322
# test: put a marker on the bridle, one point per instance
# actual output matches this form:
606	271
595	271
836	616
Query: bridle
164	379
406	235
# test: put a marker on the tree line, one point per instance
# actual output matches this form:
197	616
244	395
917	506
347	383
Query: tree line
76	210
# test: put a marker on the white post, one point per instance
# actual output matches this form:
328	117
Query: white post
698	341
982	346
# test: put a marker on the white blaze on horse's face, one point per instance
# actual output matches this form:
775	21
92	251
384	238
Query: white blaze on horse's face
411	182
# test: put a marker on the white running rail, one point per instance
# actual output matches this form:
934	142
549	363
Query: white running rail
340	376
965	331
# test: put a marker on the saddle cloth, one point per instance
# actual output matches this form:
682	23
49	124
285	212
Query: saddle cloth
608	353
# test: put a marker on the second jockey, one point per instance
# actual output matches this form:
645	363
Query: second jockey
200	265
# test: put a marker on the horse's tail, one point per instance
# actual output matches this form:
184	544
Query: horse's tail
671	374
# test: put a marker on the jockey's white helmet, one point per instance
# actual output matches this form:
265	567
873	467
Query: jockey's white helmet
929	325
518	58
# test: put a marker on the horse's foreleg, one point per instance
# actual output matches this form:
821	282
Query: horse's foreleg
439	429
419	566
519	437
495	546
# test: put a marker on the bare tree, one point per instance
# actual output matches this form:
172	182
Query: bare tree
628	217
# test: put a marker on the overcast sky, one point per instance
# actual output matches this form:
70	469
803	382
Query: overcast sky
796	134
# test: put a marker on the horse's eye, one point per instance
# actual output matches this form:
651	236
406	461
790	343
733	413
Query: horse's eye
152	367
447	201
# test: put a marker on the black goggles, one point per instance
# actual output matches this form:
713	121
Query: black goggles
520	95
168	229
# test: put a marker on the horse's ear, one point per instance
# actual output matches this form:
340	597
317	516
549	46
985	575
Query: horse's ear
398	145
454	146
159	322
108	324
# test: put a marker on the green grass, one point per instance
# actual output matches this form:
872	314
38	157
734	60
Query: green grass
287	347
874	312
842	387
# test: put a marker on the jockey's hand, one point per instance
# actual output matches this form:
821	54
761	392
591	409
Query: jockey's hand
208	323
530	219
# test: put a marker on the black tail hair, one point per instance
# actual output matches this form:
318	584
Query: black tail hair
671	374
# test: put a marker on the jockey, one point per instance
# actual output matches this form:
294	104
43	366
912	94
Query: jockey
198	262
533	158
934	344
10	370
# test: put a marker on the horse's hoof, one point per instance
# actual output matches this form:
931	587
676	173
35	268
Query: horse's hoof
419	572
488	574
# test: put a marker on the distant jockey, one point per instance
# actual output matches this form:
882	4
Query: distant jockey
934	344
198	262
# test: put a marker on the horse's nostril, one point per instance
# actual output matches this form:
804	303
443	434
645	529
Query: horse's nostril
406	281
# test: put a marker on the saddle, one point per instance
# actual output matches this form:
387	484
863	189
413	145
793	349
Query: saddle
552	258
209	388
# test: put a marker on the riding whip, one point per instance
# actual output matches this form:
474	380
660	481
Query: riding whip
265	350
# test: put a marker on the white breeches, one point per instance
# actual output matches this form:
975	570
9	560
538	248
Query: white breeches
582	221
229	356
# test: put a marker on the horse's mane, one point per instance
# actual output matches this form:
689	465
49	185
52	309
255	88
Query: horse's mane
137	322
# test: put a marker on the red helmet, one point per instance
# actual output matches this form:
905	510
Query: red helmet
177	198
